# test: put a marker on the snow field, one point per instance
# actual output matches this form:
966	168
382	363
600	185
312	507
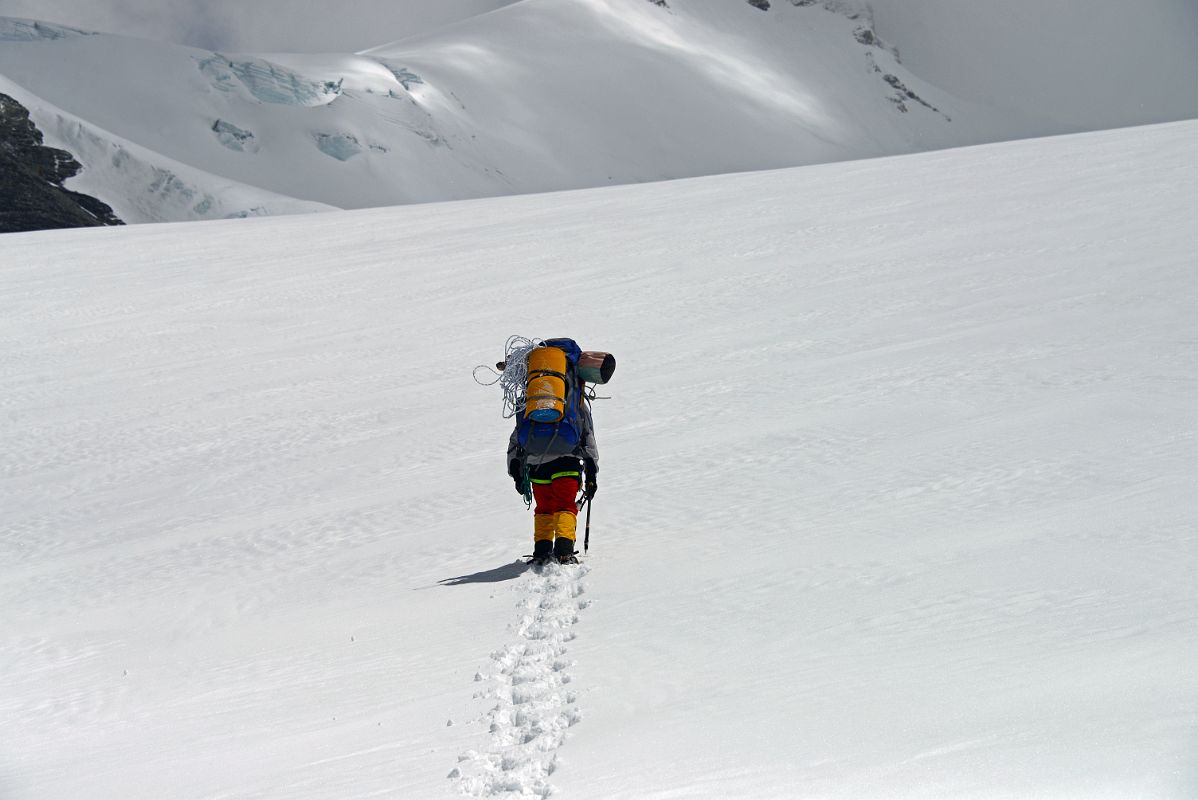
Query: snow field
896	492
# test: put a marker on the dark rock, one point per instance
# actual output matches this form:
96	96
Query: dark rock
904	93
32	196
866	37
764	5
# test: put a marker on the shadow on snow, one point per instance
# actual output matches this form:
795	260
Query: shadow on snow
505	573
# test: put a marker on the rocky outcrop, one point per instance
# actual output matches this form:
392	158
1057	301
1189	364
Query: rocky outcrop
32	196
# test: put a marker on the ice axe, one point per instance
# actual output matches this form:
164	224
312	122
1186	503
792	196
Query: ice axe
586	539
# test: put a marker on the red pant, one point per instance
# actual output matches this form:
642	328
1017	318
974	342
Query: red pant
561	495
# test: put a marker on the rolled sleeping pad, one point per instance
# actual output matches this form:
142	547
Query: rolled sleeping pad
546	396
596	367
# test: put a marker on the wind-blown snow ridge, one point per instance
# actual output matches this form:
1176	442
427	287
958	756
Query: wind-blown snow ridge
14	29
268	82
535	707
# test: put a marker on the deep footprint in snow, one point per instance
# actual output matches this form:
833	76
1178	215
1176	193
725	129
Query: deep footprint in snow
535	705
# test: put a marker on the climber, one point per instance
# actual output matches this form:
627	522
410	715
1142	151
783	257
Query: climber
552	449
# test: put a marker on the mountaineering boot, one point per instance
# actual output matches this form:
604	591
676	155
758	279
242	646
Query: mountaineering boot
565	525
542	551
563	551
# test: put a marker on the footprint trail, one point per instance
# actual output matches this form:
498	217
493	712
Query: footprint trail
535	705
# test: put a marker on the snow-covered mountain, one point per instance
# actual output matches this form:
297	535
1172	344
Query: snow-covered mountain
269	26
555	94
896	492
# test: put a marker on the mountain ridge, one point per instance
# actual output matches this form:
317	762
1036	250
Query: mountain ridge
534	96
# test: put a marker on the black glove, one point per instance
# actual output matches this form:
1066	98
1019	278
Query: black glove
592	482
592	485
515	469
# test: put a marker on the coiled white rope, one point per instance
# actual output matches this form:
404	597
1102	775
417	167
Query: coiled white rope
514	377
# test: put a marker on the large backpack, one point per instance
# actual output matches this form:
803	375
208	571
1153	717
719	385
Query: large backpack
563	436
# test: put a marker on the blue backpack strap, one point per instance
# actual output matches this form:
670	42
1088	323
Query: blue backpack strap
569	347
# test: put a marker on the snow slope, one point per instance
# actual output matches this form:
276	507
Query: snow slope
1083	64
317	26
546	95
613	92
896	499
146	186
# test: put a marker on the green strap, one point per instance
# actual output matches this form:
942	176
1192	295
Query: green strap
526	487
557	475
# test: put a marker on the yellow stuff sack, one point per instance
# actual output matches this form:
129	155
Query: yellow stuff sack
545	399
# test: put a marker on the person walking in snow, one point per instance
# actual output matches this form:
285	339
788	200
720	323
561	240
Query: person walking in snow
555	460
